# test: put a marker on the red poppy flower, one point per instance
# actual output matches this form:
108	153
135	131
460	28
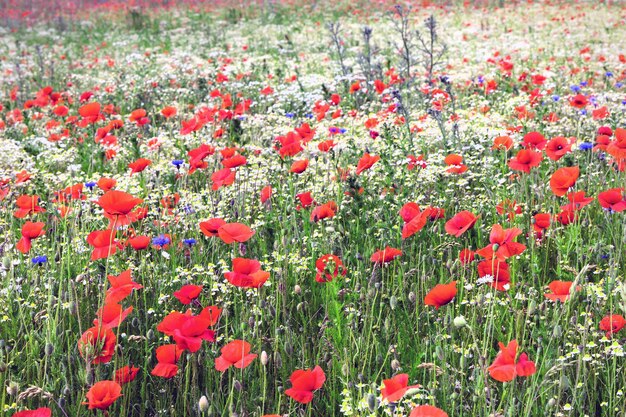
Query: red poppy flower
291	144
466	256
325	211
510	208
126	374
121	287
560	290
563	179
414	219
211	227
427	411
106	184
90	112
40	412
139	165
97	344
237	354
534	140
298	167
139	242
167	356
525	160
169	111
566	216
111	315
612	324
188	293
460	223
505	368
326	145
212	314
191	331
304	383
266	193
30	231
579	101
329	267
394	389
234	161
102	394
385	255
498	271
577	200
502	143
502	245
104	243
541	221
441	295
305	200
247	273
234	232
366	162
558	147
222	178
118	207
613	200
27	204
617	148
455	164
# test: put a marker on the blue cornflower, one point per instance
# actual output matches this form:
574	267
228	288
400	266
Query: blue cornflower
177	162
619	85
290	115
39	260
160	240
583	112
309	115
575	88
342	130
481	79
90	185
608	74
583	83
333	130
188	209
585	146
190	242
556	98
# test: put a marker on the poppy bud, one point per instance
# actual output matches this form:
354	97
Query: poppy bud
66	391
264	358
89	378
150	334
372	402
13	389
557	331
393	302
495	247
288	349
532	307
297	289
2	343
49	349
439	353
395	365
278	360
237	385
203	404
551	403
459	322
135	322
345	369
3	367
62	402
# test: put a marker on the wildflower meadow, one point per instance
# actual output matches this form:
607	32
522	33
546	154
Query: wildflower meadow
312	208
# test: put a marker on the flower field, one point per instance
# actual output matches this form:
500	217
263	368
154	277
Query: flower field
289	208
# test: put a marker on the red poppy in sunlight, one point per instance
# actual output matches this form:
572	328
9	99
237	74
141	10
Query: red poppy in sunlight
125	375
560	290
192	331
617	148
167	357
306	200
139	242
121	287
325	211
188	293
510	208
104	243
27	204
394	389
579	101
30	231
427	411
212	314
102	394
414	219
211	227
106	184
237	354
97	345
558	147
266	194
613	199
328	268
525	160
111	315
501	244
460	223
169	111
505	368
90	112
441	295
118	207
466	256
577	200
563	179
540	222
415	162
534	140
612	324
304	383
385	255
298	167
222	178
234	161
247	273
234	232
455	164
366	162
326	145
495	273
40	412
502	143
139	165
